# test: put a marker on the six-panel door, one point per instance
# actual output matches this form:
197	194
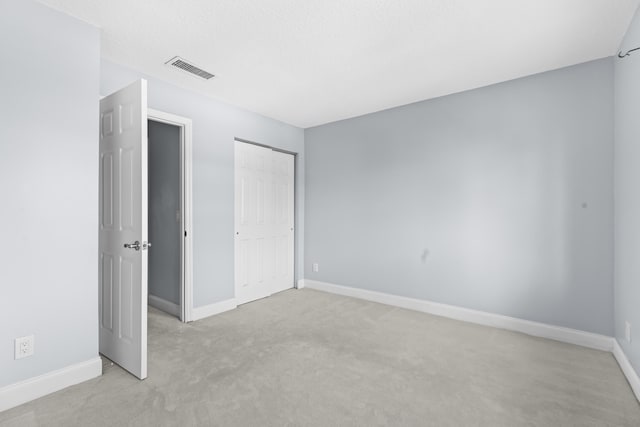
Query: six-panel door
264	221
123	219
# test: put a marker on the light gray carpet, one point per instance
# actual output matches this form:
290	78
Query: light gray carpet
307	358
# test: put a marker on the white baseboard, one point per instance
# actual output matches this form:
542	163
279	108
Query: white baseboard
627	369
558	333
212	309
300	284
33	388
164	305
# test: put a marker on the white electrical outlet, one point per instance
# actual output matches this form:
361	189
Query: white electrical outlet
24	347
315	267
627	331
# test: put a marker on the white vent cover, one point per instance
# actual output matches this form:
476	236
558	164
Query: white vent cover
188	67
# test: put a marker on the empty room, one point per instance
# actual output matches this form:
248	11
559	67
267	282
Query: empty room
320	213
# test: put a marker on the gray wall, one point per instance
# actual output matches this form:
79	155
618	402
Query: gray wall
215	125
498	199
49	186
165	232
627	194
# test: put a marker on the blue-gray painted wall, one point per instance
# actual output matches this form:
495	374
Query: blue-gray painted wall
49	185
627	194
497	199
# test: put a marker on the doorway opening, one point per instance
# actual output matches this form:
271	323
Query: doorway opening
169	214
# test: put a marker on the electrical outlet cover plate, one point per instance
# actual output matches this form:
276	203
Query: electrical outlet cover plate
24	347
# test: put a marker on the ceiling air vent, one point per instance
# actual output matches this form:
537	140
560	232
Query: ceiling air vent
184	65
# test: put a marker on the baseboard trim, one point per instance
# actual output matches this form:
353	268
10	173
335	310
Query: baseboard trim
33	388
543	330
213	309
164	305
627	369
300	284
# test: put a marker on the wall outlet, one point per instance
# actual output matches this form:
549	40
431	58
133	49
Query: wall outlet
627	331
315	267
24	347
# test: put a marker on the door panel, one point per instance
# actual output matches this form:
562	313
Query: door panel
284	223
106	213
107	293
127	189
253	178
123	213
264	221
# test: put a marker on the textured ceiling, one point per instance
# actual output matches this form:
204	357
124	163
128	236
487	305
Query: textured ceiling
311	62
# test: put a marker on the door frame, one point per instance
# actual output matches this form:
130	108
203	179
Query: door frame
186	186
295	210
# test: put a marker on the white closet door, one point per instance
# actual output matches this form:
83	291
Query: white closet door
283	179
263	222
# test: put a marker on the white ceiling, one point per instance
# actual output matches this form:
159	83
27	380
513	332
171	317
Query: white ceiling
316	61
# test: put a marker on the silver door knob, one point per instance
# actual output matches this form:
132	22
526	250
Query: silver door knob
135	245
146	245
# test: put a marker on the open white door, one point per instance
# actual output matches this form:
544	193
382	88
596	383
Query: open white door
123	228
